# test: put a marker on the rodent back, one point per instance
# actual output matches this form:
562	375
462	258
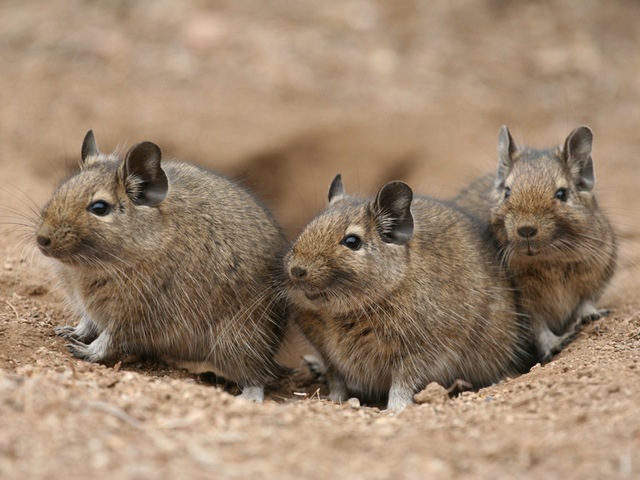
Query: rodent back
241	234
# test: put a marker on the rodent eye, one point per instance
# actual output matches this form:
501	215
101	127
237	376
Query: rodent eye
99	208
352	242
562	194
507	192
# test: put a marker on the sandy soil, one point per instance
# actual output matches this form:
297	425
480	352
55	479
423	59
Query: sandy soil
283	95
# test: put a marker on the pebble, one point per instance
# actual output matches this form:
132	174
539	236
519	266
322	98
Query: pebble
354	403
433	394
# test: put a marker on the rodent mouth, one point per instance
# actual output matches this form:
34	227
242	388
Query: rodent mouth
311	291
528	248
313	296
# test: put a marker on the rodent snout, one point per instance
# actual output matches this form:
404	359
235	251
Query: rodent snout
43	238
527	232
43	241
297	273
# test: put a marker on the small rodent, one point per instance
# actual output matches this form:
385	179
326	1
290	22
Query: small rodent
399	291
167	261
556	244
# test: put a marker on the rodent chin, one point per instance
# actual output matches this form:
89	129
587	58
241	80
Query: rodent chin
316	296
308	297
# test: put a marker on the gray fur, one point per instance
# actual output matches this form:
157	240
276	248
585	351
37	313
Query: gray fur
390	317
182	267
562	269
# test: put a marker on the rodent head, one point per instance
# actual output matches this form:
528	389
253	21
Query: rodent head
354	253
543	199
108	210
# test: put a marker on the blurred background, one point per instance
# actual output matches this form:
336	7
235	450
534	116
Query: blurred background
282	95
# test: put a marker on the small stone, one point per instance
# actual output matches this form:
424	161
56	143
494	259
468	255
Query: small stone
433	394
354	403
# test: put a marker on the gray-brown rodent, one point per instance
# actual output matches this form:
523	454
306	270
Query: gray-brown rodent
169	261
556	244
399	291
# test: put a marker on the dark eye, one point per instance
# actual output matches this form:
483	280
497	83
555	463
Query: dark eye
507	192
352	242
562	194
99	208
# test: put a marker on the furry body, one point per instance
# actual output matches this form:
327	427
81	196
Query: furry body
407	308
554	242
180	267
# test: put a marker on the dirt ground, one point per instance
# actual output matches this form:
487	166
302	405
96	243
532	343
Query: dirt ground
283	95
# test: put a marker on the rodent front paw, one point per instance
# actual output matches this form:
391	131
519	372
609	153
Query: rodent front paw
65	331
75	333
78	349
94	352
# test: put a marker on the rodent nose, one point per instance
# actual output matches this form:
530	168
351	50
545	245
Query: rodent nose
298	273
527	232
43	241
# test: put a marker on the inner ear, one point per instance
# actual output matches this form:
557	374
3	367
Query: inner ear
507	149
144	180
89	146
336	189
577	156
392	210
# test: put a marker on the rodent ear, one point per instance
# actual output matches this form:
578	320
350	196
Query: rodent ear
336	189
89	146
392	211
507	148
144	180
577	155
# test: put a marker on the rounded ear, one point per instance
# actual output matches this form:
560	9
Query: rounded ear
144	180
336	189
392	213
507	148
89	146
577	156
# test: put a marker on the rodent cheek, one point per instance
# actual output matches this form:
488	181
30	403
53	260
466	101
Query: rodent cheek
378	269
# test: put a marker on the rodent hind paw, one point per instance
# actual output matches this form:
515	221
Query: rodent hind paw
597	315
252	394
548	353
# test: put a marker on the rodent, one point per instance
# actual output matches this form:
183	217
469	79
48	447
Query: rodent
167	260
399	291
555	242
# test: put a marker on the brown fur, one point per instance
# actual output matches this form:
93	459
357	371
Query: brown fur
180	268
419	302
562	269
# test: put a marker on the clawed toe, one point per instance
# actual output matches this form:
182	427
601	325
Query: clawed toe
595	316
568	338
78	349
65	331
